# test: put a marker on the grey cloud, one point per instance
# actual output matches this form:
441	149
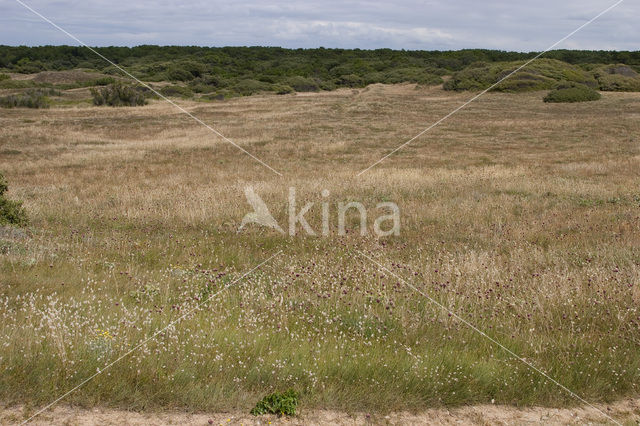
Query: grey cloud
408	24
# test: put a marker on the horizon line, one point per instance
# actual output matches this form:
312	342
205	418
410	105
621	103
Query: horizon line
314	48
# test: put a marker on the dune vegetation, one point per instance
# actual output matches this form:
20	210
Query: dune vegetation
520	216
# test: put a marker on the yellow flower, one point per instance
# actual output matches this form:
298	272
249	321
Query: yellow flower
104	334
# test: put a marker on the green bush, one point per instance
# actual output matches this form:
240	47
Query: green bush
283	89
32	98
118	94
576	93
11	212
350	80
249	87
178	74
284	403
18	84
102	81
26	66
302	84
4	76
402	75
185	71
176	90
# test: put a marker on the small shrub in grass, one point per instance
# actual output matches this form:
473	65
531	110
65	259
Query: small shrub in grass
283	89
4	76
34	98
175	90
11	212
248	87
575	93
118	94
103	81
18	84
282	404
200	87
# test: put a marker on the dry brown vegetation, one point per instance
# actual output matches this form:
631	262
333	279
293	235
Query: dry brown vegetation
521	216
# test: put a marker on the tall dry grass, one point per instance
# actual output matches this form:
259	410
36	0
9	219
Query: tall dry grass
521	216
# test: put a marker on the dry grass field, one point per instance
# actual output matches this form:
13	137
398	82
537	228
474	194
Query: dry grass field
522	217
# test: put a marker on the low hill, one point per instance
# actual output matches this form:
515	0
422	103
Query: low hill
542	74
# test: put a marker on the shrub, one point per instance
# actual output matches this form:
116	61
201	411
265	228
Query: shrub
33	98
18	84
277	403
249	87
178	74
283	89
185	71
176	90
302	84
25	66
576	93
350	80
542	74
327	85
194	68
103	81
220	95
617	78
200	87
118	94
11	212
402	75
4	76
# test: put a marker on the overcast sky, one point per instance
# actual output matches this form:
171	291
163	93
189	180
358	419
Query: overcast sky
407	24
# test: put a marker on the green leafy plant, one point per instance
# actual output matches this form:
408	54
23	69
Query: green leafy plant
282	404
11	212
576	93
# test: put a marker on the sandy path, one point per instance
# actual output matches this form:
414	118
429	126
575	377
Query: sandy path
626	412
